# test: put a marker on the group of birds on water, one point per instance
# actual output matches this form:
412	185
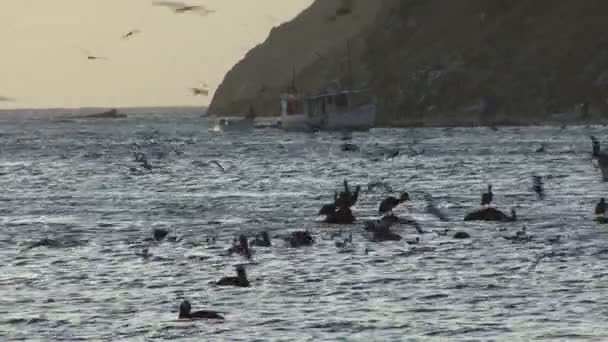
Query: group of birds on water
339	212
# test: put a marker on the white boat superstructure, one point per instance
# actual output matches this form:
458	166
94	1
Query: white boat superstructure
347	110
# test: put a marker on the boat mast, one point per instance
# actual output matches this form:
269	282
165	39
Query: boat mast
350	65
293	79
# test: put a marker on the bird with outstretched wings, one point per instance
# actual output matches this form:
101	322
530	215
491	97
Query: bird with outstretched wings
180	7
91	56
200	91
130	33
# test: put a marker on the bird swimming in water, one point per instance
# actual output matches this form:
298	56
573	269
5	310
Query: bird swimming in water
345	242
432	209
241	248
600	208
262	240
541	149
185	312
347	199
537	186
388	204
160	234
486	198
180	7
595	146
217	163
130	33
328	209
300	239
413	242
240	280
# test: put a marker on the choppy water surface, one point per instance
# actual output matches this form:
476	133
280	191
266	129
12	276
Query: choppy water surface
69	182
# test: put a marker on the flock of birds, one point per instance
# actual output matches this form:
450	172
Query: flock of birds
339	212
176	7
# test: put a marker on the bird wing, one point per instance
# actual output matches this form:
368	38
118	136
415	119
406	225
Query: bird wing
6	99
218	165
204	11
130	33
200	91
170	4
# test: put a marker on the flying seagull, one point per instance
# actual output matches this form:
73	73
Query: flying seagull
91	56
180	7
198	91
6	99
130	33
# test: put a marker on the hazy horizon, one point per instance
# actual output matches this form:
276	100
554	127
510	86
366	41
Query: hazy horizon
44	62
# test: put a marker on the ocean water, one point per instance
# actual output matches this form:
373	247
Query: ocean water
75	220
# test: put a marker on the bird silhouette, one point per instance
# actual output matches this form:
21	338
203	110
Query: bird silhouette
91	56
130	34
180	7
199	91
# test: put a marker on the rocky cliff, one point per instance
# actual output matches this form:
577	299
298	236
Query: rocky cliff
438	62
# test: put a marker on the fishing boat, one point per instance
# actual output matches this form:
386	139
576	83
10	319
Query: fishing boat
334	108
344	110
110	114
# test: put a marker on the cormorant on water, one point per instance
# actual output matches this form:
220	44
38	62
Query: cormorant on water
185	312
347	199
486	198
330	208
241	248
595	145
388	204
538	186
240	280
262	240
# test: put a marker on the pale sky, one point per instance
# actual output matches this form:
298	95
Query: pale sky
42	62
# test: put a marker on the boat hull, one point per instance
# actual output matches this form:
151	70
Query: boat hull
362	118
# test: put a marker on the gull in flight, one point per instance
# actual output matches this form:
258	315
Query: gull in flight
198	91
130	33
6	99
91	56
180	7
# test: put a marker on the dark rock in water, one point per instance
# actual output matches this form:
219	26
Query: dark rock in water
160	234
341	216
490	214
300	239
462	235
